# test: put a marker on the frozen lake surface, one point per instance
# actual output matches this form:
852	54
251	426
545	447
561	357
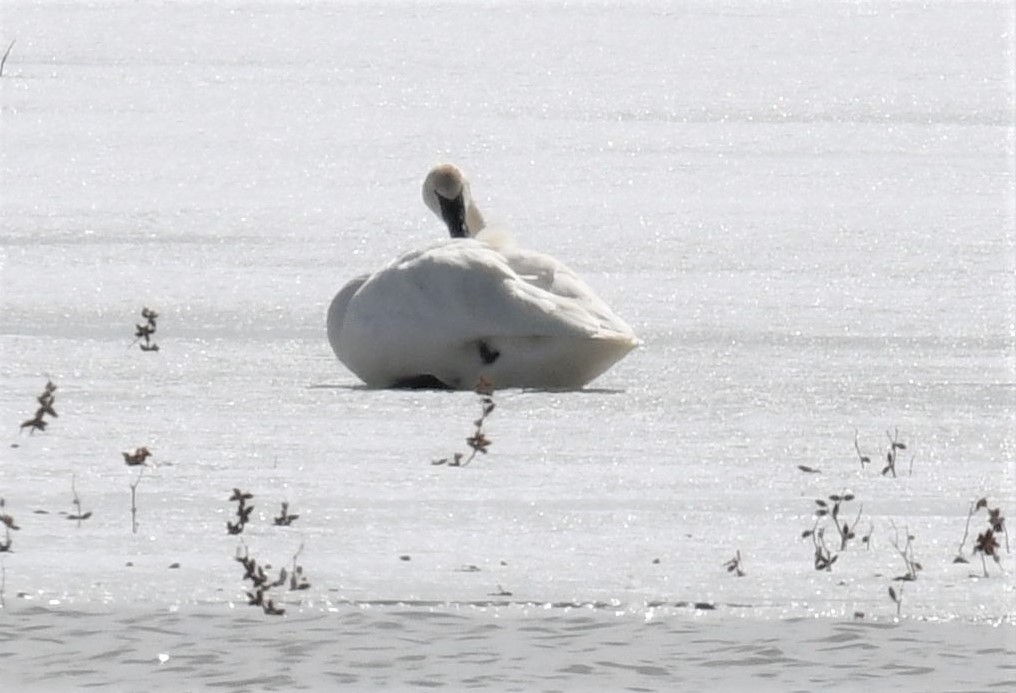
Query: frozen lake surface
805	210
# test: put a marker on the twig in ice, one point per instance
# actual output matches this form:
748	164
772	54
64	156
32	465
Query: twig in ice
77	515
134	500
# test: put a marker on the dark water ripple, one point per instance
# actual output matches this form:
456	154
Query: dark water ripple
455	648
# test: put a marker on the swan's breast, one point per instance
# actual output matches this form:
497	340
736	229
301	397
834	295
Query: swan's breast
339	307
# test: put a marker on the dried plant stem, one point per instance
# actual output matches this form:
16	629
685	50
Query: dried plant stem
297	581
824	558
77	500
966	530
906	553
134	499
3	584
478	442
9	524
845	531
734	565
145	331
866	539
894	447
897	597
243	511
861	456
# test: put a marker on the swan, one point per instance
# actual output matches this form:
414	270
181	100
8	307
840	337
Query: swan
470	306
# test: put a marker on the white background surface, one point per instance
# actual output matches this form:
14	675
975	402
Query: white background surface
804	209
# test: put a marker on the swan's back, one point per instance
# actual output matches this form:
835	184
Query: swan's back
557	278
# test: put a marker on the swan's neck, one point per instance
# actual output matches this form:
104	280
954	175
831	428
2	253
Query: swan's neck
474	220
460	215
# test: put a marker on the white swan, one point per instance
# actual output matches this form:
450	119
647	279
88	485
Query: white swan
473	306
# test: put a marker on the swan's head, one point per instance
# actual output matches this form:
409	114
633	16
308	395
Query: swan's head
446	193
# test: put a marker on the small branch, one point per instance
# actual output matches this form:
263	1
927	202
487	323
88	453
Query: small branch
906	553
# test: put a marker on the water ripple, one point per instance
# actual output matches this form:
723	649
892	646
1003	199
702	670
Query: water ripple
486	648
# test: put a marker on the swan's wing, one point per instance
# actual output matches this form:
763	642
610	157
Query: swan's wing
463	288
554	277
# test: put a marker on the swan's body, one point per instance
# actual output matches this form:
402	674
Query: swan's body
465	308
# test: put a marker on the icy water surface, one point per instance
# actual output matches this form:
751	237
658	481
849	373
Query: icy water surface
804	209
409	647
